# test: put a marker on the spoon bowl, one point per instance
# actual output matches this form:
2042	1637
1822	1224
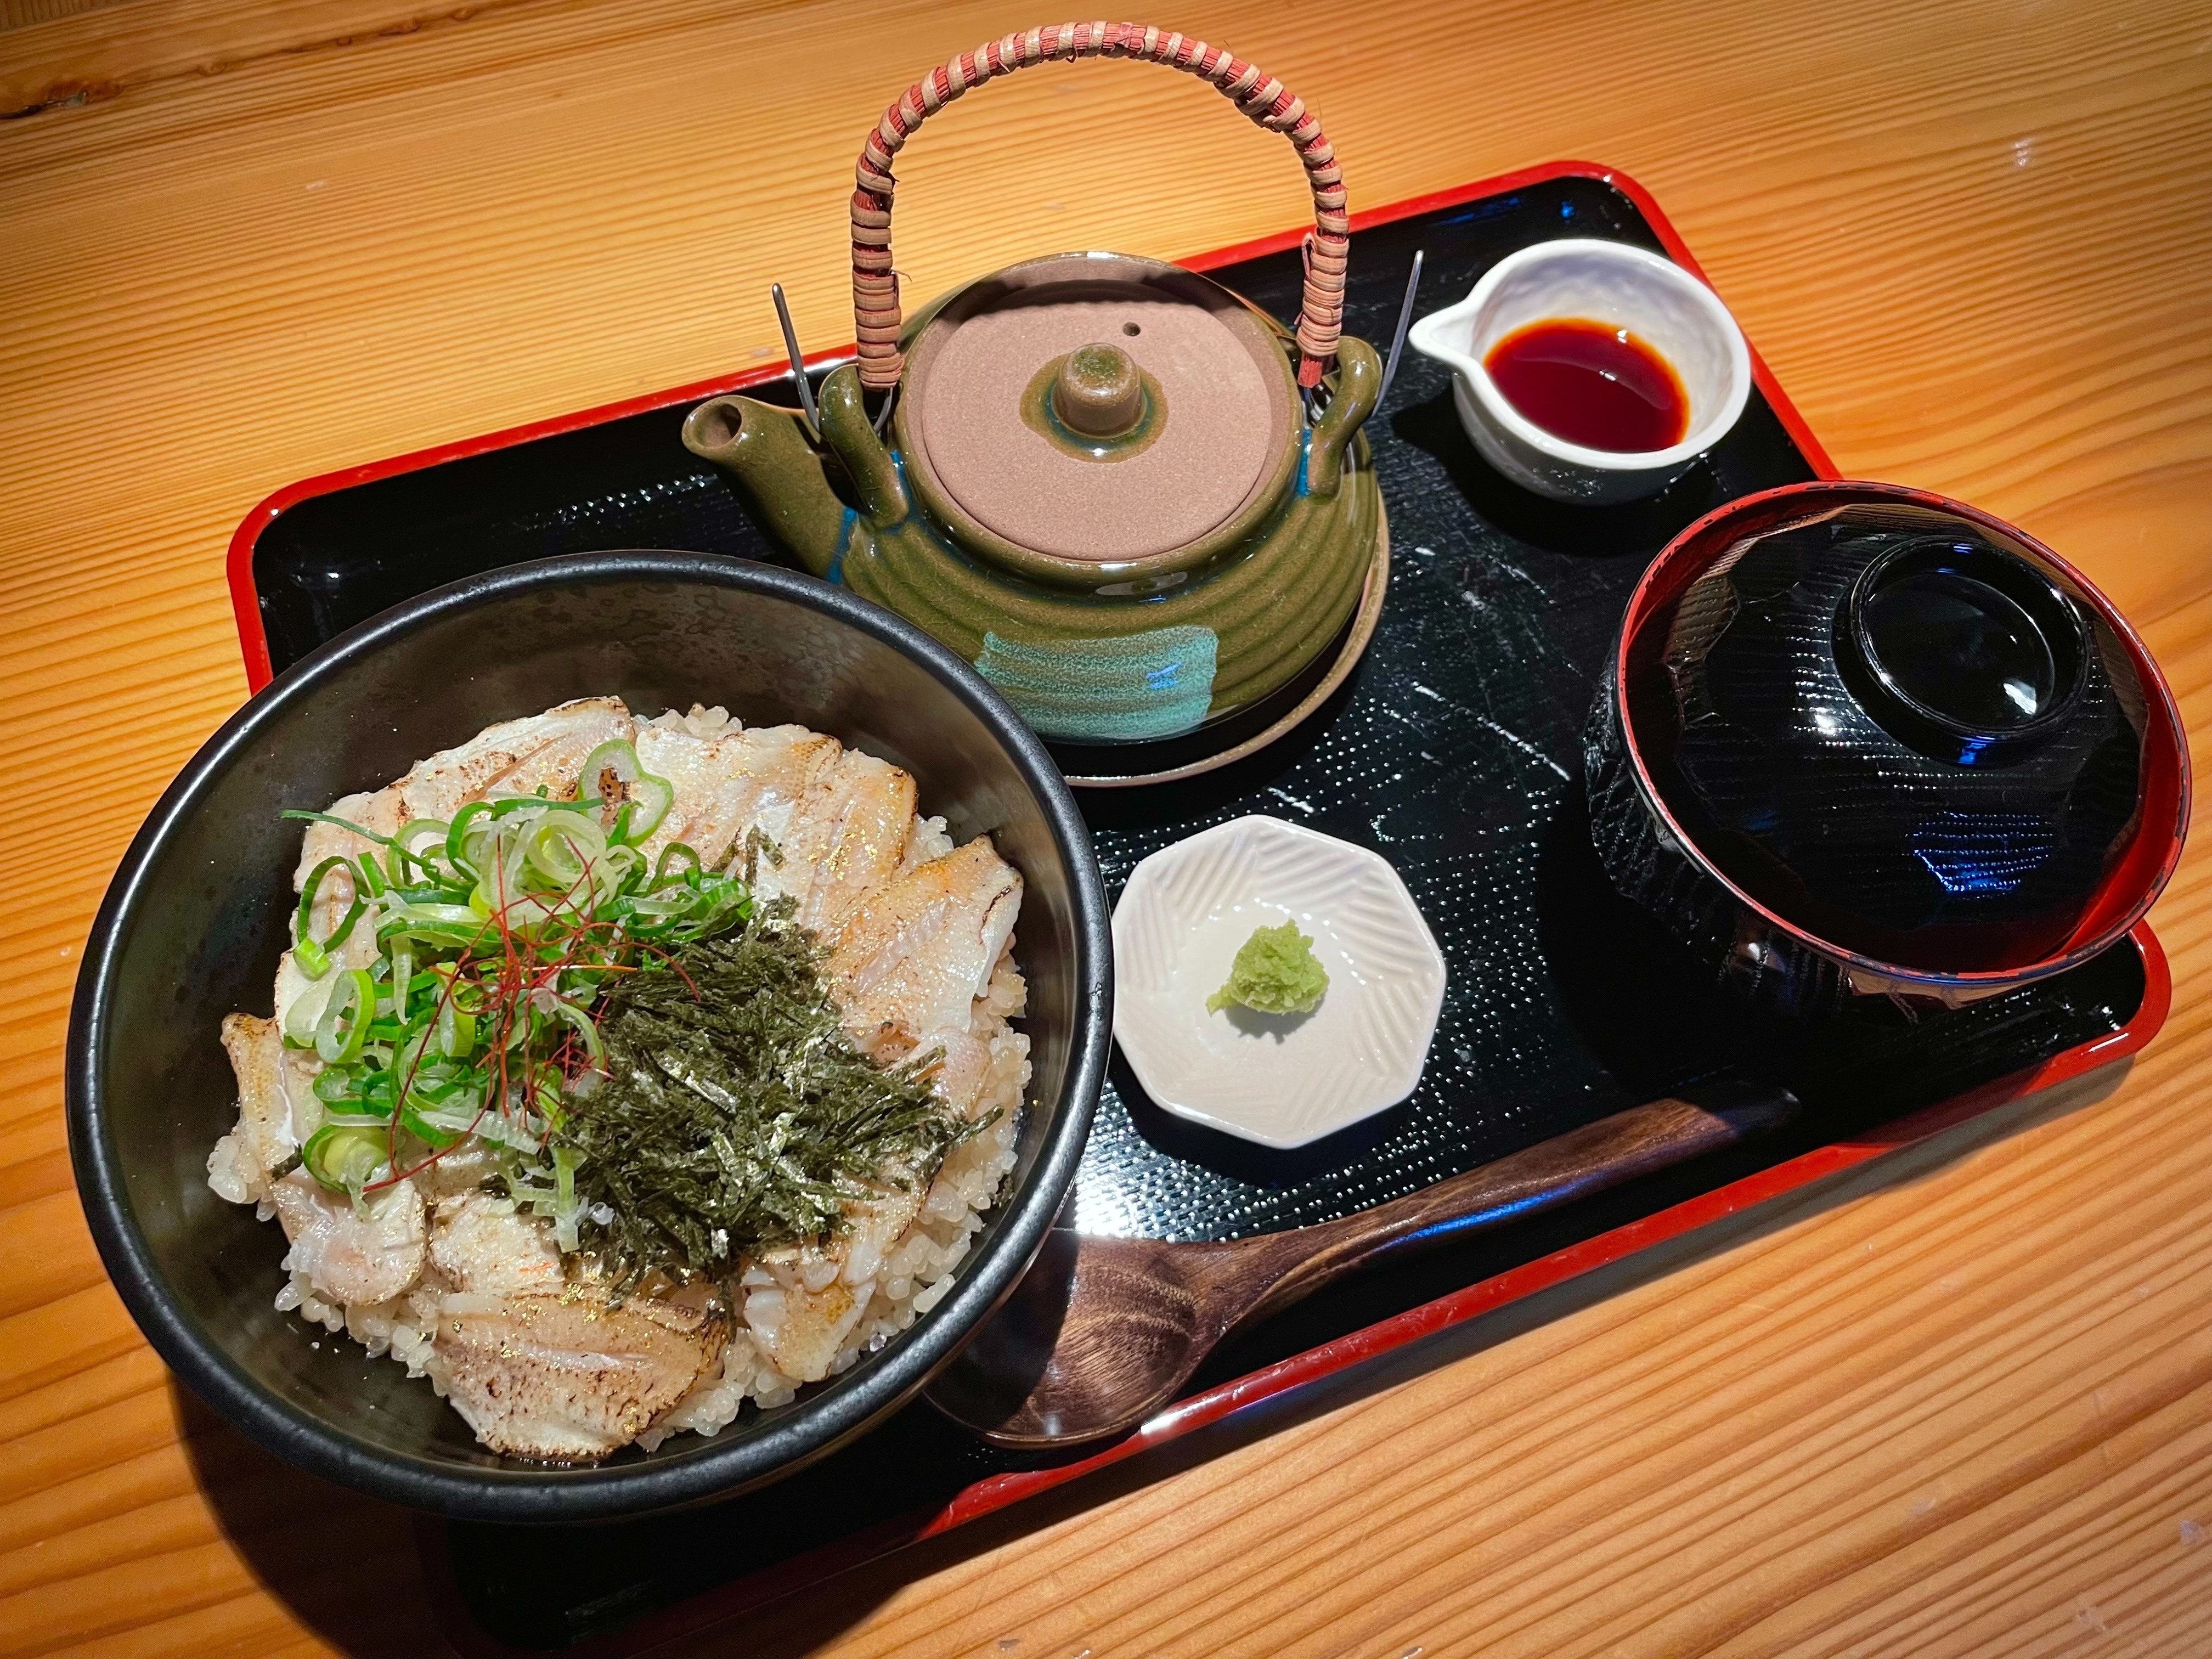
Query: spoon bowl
1104	1331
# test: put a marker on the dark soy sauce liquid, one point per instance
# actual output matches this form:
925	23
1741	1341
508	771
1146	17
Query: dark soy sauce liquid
1592	384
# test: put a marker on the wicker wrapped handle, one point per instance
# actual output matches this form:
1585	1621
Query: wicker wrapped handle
875	314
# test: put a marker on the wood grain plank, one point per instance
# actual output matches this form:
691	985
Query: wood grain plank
57	1339
20	14
85	1388
1955	1403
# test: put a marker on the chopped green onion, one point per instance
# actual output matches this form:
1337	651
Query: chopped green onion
562	848
306	1012
402	958
419	830
672	856
371	873
642	814
645	798
346	1013
344	1158
456	1032
437	1130
564	1009
310	953
565	1210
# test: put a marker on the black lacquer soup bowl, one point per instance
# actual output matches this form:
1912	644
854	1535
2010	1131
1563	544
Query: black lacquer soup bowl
1855	737
192	926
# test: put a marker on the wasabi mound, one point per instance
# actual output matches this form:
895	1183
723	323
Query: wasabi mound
1274	972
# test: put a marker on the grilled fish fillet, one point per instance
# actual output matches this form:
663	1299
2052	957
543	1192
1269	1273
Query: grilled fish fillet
242	1167
481	1244
366	1255
729	784
369	1256
567	1376
910	965
837	819
848	839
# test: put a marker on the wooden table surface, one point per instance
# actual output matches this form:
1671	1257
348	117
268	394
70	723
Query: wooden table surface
1960	1402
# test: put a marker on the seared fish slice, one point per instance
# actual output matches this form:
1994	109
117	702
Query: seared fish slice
512	758
847	841
371	1254
242	1166
802	1330
837	818
729	784
566	1377
480	1243
911	964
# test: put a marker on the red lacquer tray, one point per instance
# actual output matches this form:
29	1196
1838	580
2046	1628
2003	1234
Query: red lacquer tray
321	555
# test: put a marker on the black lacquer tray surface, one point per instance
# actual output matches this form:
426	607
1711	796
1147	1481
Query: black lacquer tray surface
1455	750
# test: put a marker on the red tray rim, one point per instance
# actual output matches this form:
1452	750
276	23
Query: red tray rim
711	1607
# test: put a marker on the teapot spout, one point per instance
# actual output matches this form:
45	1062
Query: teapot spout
800	487
779	470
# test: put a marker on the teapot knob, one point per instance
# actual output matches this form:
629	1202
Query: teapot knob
1097	391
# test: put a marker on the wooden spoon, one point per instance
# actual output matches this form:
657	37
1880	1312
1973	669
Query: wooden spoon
1104	1331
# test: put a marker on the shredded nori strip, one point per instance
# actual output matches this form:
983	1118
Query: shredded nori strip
737	1115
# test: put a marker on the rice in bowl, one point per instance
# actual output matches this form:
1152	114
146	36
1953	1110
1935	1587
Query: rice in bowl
472	1277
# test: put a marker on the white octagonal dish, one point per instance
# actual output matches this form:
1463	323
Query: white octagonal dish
1282	1080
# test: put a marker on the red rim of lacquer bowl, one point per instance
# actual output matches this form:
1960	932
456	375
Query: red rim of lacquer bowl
2131	883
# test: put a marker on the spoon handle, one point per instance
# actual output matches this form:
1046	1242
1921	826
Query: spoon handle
1567	1167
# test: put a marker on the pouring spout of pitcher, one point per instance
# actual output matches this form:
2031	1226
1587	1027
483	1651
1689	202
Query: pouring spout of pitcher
801	489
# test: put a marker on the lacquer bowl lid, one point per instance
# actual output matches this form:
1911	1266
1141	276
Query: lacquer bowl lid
1905	730
1098	408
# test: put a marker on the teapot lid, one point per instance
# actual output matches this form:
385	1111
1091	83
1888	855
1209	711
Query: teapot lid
1098	407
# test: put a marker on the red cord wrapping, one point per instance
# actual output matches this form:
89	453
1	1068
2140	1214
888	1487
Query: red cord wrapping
876	312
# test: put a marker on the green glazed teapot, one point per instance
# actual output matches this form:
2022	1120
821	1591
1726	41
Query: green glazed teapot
1134	500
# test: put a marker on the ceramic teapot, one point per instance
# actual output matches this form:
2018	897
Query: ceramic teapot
1132	499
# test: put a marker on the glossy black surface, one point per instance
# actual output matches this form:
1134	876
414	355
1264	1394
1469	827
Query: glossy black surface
1455	750
1896	734
1970	654
194	921
1960	649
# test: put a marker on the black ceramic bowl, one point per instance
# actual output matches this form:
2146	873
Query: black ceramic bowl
194	921
1859	738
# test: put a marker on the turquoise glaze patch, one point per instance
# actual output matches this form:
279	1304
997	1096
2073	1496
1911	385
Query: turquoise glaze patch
1120	690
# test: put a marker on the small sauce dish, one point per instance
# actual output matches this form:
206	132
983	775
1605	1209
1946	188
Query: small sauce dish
1652	298
1281	1080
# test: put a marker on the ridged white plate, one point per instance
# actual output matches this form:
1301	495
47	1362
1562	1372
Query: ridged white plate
1282	1080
